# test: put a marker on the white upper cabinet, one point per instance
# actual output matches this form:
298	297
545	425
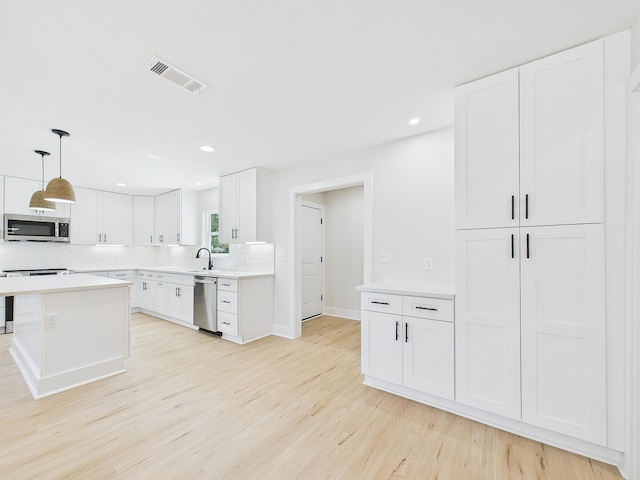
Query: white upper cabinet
246	207
564	383
487	152
17	195
176	218
100	218
562	138
488	320
529	144
143	220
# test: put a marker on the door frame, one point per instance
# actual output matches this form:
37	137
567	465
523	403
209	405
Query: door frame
295	205
320	207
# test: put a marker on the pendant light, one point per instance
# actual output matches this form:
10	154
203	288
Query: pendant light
59	189
38	201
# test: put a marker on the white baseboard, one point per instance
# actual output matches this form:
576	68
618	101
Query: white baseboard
282	331
342	312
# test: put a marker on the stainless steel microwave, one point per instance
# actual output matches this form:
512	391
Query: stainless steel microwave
32	228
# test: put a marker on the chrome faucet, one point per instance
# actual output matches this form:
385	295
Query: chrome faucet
210	267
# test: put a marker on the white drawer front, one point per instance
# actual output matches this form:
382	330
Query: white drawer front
161	276
433	308
147	275
228	323
122	275
228	302
381	302
228	284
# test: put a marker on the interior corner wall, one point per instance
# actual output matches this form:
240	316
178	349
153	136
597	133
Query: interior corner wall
344	251
412	204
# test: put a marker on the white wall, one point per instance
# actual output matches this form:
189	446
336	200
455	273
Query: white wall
344	250
413	209
635	44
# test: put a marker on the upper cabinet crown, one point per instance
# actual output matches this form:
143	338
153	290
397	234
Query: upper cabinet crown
246	207
530	144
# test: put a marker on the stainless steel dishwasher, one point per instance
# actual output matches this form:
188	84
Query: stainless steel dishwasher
205	298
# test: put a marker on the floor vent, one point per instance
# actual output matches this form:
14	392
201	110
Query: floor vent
176	76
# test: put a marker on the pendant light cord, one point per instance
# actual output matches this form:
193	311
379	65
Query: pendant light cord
60	156
42	183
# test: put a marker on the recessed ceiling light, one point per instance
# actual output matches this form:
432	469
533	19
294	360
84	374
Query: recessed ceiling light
120	184
153	157
198	183
206	148
414	121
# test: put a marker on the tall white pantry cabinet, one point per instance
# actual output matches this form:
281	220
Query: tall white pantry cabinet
531	319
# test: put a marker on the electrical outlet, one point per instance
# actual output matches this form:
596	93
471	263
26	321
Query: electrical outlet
384	257
51	320
428	263
281	256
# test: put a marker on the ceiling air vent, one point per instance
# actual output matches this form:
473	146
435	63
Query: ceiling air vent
175	75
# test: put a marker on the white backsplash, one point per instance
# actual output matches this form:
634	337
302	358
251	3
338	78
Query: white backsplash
32	255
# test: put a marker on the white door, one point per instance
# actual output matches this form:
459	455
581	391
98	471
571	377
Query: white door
382	346
312	282
562	138
427	356
487	320
487	152
564	330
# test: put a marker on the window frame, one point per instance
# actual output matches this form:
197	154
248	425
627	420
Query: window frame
207	234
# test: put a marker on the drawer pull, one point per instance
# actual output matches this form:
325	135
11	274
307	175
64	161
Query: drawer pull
225	301
226	323
379	303
225	284
406	332
396	331
433	309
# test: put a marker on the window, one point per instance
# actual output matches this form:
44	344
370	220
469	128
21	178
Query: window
211	237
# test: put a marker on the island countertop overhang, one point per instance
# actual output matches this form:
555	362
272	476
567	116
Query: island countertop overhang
12	286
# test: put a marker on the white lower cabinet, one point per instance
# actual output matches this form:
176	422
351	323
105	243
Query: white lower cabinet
166	295
245	308
409	341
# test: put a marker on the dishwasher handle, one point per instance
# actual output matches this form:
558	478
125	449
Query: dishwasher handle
210	281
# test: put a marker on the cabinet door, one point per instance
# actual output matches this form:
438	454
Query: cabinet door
175	210
382	346
85	222
161	219
143	220
174	301
487	320
228	208
564	330
562	138
247	206
160	291
427	356
146	294
185	294
487	152
114	218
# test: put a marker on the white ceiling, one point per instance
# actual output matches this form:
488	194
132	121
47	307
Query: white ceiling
289	81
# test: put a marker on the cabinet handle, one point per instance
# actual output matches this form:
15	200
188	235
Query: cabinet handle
426	308
150	238
99	238
105	238
178	237
396	331
225	301
225	284
527	245
513	207
406	332
513	252
526	206
379	303
226	323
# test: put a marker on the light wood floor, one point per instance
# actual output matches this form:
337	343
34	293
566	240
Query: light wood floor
192	406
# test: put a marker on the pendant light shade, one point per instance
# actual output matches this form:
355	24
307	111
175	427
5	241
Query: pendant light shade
59	189
38	201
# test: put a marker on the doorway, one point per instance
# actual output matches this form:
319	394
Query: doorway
295	214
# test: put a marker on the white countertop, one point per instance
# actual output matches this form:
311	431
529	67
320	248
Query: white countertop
432	290
10	286
235	274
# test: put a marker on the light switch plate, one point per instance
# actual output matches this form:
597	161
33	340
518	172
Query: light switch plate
51	320
384	257
281	256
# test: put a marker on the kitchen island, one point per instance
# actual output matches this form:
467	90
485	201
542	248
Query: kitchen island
68	329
